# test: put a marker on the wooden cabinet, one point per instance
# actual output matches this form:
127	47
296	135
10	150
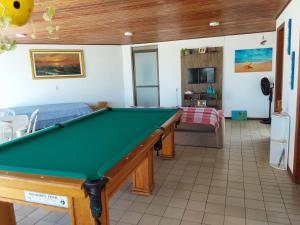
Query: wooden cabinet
192	100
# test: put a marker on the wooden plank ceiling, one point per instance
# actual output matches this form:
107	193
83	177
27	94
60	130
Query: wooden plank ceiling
105	21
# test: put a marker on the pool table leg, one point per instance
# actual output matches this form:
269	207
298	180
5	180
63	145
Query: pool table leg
82	212
168	148
7	214
142	178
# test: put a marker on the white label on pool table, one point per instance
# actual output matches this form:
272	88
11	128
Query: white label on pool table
46	199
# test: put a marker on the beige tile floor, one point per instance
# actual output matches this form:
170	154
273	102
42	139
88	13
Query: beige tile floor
233	186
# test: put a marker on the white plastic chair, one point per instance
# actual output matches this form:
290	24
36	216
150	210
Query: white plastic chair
6	132
20	125
7	112
32	122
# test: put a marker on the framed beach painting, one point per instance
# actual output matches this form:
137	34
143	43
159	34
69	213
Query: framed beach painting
253	60
54	64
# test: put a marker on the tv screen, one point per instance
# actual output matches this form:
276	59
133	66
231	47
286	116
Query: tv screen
193	76
202	75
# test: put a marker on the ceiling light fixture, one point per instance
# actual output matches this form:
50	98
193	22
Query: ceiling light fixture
21	35
214	24
128	34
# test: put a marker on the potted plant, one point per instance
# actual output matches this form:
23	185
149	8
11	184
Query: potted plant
185	51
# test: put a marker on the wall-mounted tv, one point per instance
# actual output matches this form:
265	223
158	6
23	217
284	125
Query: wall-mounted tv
202	75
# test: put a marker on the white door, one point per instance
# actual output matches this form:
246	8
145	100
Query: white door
146	78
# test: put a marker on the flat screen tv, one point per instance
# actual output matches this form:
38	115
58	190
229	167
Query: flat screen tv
202	75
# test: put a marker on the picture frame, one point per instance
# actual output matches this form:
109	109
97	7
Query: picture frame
201	103
57	64
202	50
253	60
289	47
293	70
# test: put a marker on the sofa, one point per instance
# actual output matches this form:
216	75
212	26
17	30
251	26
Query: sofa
200	135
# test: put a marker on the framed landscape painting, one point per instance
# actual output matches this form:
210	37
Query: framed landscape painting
53	64
253	60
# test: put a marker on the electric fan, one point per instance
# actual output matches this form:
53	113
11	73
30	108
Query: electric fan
267	89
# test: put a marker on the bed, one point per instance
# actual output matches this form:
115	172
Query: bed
52	114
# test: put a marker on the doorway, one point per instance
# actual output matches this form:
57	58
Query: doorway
296	169
279	68
145	77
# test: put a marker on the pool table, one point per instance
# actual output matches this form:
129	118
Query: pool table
77	166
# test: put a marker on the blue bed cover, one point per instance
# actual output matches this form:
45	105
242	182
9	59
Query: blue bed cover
54	113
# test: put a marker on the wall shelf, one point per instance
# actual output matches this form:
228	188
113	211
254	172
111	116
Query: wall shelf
212	58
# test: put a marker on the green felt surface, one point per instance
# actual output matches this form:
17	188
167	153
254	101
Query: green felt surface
87	147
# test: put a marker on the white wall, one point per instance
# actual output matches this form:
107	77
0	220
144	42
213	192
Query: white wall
290	96
106	64
240	91
127	76
103	82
